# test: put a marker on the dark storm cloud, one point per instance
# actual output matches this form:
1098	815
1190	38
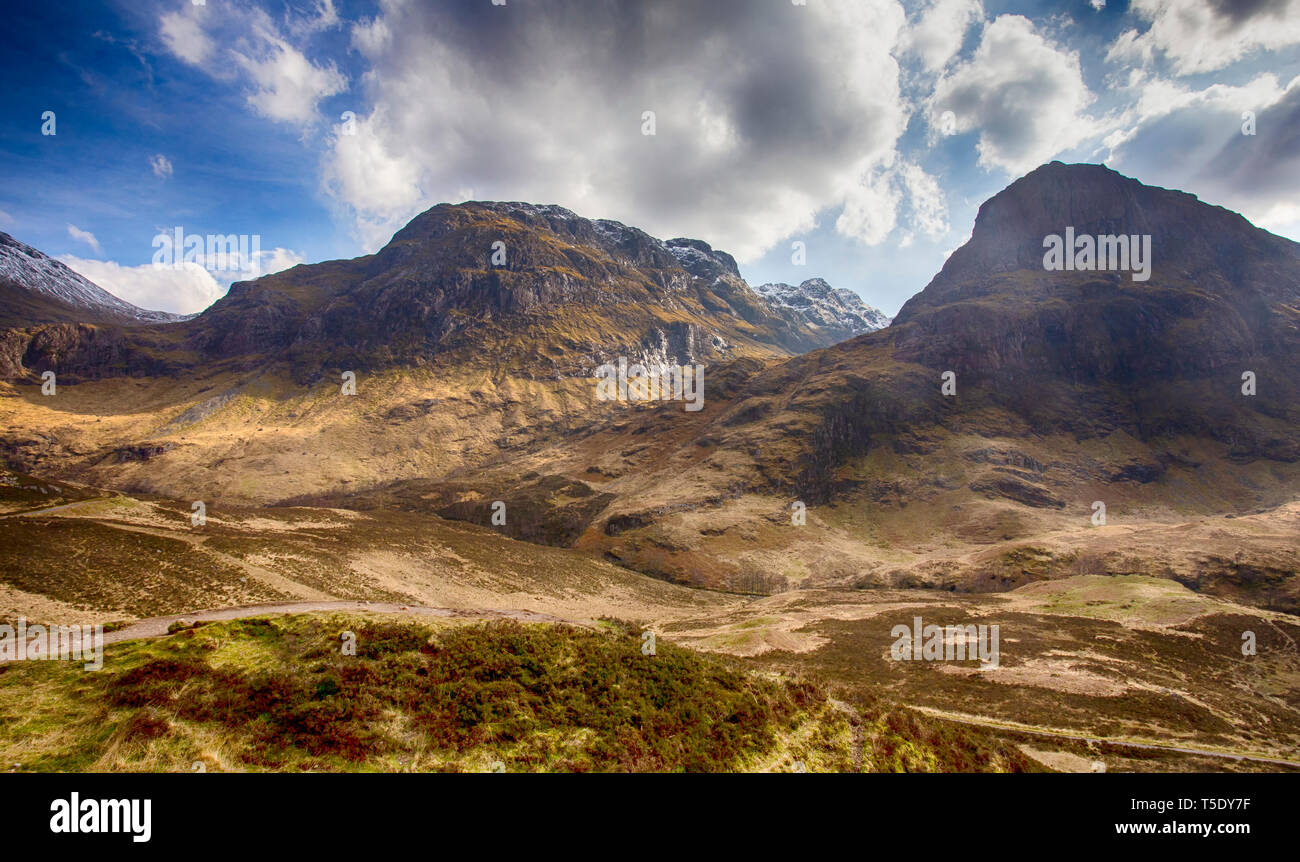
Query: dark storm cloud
1202	143
1260	164
1238	12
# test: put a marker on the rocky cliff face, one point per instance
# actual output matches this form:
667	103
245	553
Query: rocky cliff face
51	318
1161	357
84	351
1191	241
1219	298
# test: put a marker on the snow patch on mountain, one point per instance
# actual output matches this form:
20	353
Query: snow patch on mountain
821	306
24	266
700	259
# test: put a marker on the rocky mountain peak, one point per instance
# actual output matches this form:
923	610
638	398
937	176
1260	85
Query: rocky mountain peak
833	310
701	260
1191	241
1171	350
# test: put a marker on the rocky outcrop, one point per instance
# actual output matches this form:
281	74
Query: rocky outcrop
77	351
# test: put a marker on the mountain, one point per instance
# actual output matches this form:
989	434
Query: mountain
1072	388
35	288
531	287
1085	353
1219	298
839	312
486	321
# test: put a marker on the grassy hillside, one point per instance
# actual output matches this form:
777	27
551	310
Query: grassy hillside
277	694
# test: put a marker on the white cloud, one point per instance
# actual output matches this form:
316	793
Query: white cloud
6	219
288	86
1130	48
382	187
1205	35
894	195
85	236
937	35
183	34
326	18
284	84
871	209
183	289
1024	95
162	166
929	209
275	260
1097	4
371	37
765	117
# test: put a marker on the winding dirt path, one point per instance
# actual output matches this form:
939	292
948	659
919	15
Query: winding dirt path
44	509
153	627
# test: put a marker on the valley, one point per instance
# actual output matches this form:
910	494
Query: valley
1125	660
1094	482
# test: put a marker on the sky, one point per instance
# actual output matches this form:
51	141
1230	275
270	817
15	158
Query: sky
869	131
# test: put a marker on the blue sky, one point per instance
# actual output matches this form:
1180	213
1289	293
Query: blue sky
869	130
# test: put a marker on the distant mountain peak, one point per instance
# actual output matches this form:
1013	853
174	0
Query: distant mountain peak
837	311
74	297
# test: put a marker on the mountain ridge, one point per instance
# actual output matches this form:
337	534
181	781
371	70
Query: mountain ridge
57	294
533	287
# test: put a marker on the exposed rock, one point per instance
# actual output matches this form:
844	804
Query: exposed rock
1014	488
